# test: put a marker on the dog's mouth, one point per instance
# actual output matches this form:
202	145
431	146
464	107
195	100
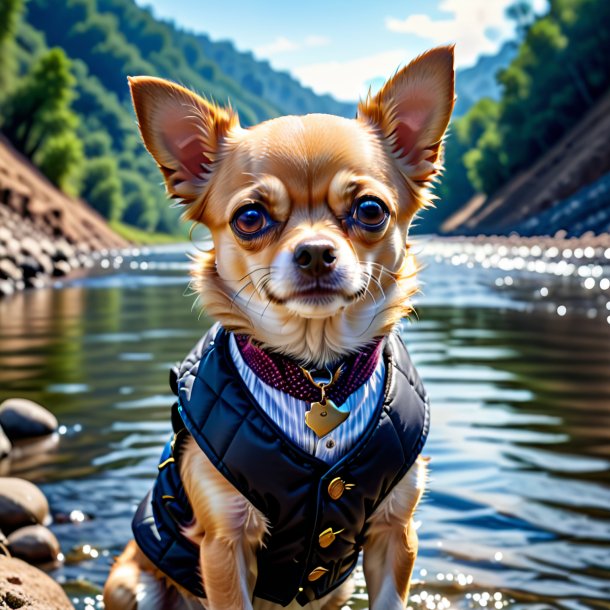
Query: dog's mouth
316	293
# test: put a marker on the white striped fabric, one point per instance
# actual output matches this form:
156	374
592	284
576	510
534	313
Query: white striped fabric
289	412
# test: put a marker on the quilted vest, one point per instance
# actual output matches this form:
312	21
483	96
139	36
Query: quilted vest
317	512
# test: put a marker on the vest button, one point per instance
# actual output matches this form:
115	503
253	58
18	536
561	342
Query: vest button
336	488
327	537
316	573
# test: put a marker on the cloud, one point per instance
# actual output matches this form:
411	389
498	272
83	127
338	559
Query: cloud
284	45
476	26
280	45
346	80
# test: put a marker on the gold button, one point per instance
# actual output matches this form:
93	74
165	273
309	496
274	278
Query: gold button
327	537
336	488
316	573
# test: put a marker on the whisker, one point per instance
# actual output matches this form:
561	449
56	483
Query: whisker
239	292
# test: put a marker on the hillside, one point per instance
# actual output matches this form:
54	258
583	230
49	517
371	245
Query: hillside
528	153
81	131
44	233
566	189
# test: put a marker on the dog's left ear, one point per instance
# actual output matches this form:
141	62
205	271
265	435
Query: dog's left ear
182	131
412	111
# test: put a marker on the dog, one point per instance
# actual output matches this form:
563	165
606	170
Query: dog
300	419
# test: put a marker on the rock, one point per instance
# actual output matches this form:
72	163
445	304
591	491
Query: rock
9	271
32	453
30	247
38	281
34	544
46	263
6	288
21	504
63	251
30	267
48	247
23	418
28	588
5	444
61	268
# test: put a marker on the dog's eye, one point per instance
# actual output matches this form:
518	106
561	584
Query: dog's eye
370	213
250	220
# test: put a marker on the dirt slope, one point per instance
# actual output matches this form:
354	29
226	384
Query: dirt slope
28	193
581	157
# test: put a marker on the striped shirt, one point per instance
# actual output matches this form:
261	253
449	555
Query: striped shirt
288	412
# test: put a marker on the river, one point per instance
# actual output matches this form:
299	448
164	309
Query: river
517	512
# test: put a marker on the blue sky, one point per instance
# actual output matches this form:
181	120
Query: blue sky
342	47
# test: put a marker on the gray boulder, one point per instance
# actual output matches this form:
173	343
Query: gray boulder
23	418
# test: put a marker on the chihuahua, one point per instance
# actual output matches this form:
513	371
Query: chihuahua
300	419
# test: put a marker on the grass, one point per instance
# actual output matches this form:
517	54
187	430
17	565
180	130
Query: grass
145	238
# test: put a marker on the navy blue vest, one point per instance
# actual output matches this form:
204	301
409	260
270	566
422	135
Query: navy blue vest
301	496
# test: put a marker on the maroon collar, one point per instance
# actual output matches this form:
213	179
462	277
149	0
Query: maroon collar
285	374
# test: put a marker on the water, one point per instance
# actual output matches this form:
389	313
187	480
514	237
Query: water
517	513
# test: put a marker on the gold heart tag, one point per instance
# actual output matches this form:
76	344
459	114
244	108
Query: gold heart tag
324	416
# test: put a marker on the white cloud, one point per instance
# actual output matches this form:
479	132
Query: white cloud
468	25
280	45
284	45
346	79
317	41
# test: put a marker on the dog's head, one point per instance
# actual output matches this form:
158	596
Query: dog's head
308	214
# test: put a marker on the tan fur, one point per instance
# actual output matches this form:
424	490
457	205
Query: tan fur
306	173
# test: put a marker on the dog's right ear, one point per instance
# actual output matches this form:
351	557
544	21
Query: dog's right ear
182	131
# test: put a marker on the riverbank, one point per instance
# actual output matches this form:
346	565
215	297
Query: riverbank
31	258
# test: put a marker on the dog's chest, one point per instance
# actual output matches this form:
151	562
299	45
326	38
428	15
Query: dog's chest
288	412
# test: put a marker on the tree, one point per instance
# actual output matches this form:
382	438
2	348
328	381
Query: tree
60	160
101	187
40	104
39	121
10	13
140	202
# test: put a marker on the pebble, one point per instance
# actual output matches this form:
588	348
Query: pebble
25	587
61	267
21	504
23	418
6	288
9	271
5	444
34	544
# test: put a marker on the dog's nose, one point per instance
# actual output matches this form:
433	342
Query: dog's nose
316	257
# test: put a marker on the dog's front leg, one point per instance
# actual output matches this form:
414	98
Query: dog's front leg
227	527
391	545
224	569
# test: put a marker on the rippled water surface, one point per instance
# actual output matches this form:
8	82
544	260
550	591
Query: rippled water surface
517	514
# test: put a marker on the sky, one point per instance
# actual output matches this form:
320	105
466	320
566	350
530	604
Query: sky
342	47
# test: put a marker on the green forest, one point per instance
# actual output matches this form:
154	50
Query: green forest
561	68
64	100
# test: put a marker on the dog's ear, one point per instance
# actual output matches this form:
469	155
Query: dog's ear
182	131
412	111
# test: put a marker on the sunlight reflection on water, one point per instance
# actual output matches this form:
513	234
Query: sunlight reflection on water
517	513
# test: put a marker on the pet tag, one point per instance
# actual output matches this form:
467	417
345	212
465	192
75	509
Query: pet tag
324	416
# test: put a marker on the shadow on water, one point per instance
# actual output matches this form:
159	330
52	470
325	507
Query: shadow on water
517	512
